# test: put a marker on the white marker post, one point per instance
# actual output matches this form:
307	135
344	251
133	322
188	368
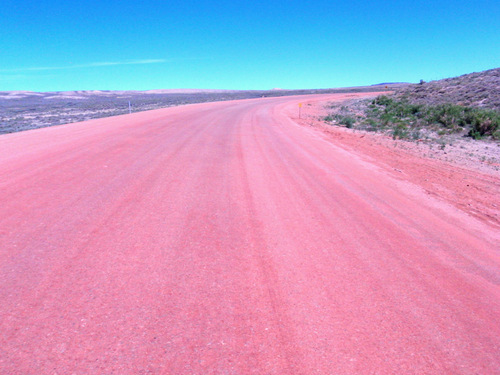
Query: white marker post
129	108
300	107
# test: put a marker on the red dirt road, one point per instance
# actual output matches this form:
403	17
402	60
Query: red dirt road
223	238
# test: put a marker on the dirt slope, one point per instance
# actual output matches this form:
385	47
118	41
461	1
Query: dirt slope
481	89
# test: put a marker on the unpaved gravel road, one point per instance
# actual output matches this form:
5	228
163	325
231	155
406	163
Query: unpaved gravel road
224	238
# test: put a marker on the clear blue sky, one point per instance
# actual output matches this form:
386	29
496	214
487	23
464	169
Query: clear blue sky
114	45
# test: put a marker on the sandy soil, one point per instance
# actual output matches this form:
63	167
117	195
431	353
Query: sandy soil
466	173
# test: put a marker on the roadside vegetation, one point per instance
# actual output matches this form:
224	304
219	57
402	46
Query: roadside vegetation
408	114
409	120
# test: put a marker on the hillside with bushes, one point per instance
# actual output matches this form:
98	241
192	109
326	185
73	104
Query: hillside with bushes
479	90
468	105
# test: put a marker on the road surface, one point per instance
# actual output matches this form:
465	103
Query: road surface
223	238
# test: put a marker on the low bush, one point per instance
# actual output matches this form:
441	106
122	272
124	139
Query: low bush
400	131
401	116
347	121
483	123
448	115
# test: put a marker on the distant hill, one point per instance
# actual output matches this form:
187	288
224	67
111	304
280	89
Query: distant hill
390	83
475	90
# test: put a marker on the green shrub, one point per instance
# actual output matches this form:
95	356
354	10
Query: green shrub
445	117
400	131
347	121
382	100
448	115
406	119
483	123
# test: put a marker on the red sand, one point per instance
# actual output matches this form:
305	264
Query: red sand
224	238
470	185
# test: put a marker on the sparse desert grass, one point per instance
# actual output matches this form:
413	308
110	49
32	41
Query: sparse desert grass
343	115
406	118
